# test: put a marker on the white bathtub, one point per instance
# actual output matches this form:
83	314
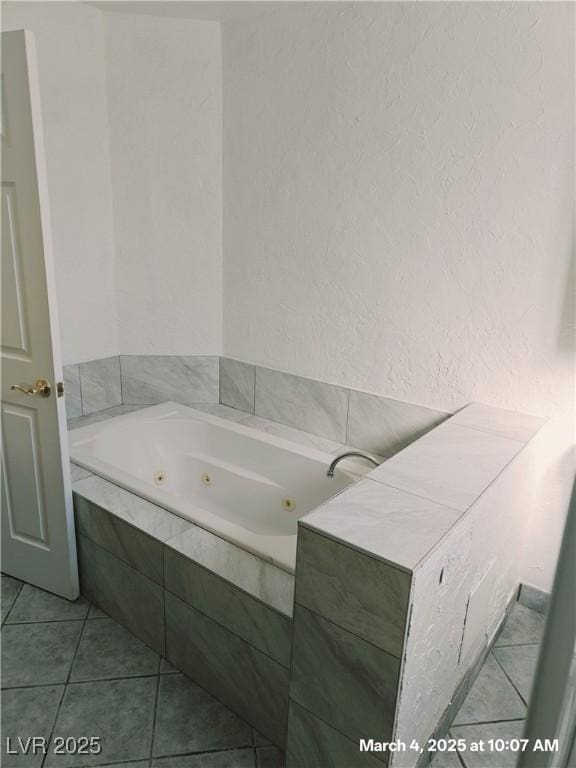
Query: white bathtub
242	484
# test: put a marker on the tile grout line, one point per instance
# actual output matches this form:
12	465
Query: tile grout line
18	593
512	683
65	688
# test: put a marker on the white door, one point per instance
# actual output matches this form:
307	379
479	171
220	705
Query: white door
38	543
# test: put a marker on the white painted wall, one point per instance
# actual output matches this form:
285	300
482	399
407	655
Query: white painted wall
165	106
398	210
70	48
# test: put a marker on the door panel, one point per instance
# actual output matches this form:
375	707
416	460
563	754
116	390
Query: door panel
38	543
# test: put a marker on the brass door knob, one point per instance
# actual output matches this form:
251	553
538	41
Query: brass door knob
41	388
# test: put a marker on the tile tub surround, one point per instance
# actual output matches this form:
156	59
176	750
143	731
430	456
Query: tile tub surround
100	384
429	513
342	416
175	587
150	379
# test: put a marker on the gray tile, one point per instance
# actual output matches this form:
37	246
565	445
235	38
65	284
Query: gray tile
96	613
28	712
393	525
492	697
523	626
34	604
265	581
222	411
446	760
385	426
120	712
510	424
107	650
135	548
235	610
72	393
234	758
269	757
109	413
534	598
131	508
355	591
297	436
78	473
188	719
166	668
100	384
488	758
126	595
228	667
159	378
259	740
237	384
10	589
519	663
452	465
26	648
312	742
302	403
347	682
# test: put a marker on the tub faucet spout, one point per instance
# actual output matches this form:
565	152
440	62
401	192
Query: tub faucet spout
338	459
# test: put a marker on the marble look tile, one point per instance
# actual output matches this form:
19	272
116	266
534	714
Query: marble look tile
100	384
519	662
262	627
357	592
262	580
509	424
10	589
385	426
34	604
26	647
189	719
107	650
534	598
28	711
78	473
259	740
492	697
451	465
119	711
302	403
294	435
109	413
72	394
395	526
222	411
347	682
158	378
232	758
237	384
124	594
132	509
523	626
489	758
311	742
269	757
134	547
247	681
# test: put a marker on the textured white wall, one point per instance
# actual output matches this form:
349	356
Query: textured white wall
70	48
398	209
165	106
